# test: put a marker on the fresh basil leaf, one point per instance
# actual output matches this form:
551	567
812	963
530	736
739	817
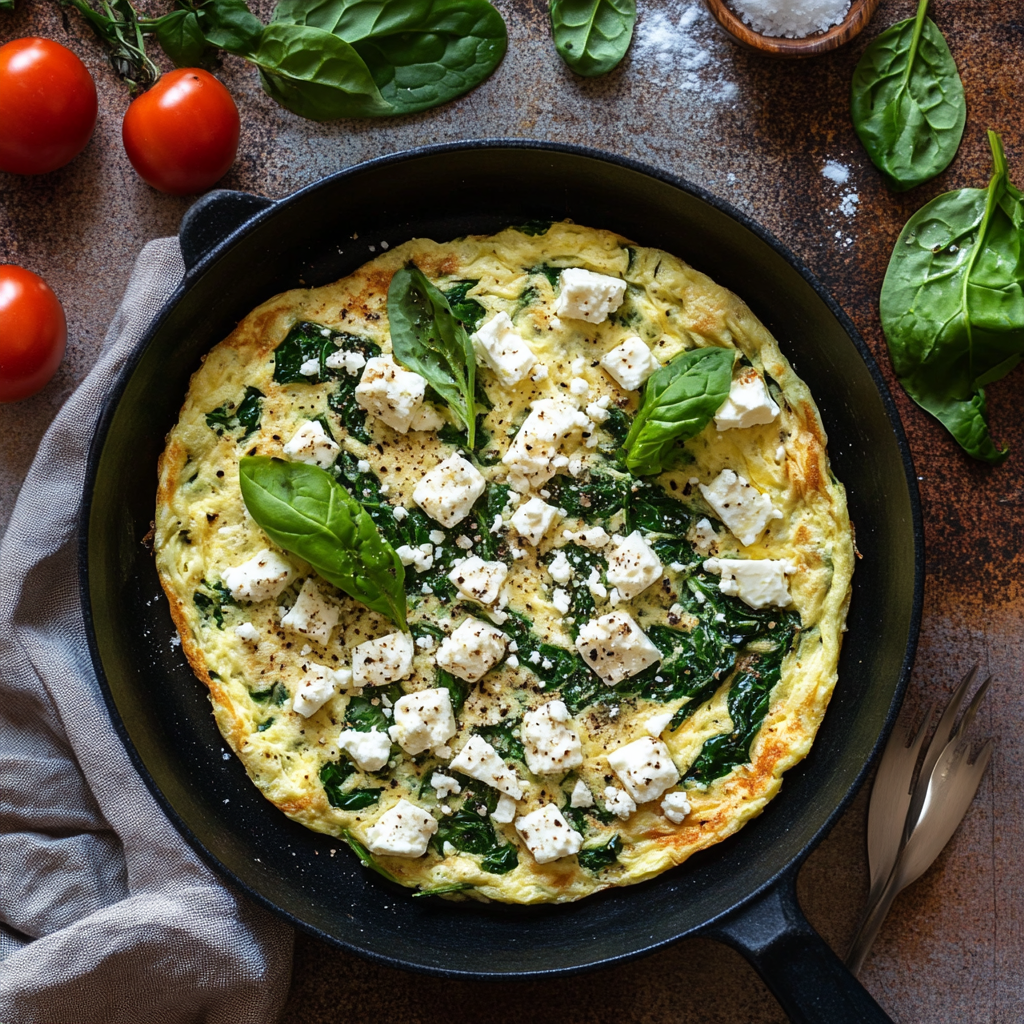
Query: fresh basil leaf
182	39
316	74
231	26
427	338
304	510
952	303
907	102
592	36
679	401
420	52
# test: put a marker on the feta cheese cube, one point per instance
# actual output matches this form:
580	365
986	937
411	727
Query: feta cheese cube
505	812
630	363
549	743
547	834
645	767
426	417
584	295
390	392
479	580
748	404
632	566
619	803
759	582
581	795
310	444
703	536
675	807
382	661
448	491
318	686
499	346
312	614
472	650
444	785
533	519
740	505
402	831
350	362
480	761
657	724
370	750
595	537
615	647
423	720
247	631
265	575
530	456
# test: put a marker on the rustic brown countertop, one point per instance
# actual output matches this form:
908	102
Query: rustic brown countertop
773	138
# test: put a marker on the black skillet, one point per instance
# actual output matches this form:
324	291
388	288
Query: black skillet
241	249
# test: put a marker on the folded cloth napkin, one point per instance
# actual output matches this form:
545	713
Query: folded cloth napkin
106	915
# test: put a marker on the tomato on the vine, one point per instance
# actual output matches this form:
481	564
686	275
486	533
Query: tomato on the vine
47	106
33	333
182	135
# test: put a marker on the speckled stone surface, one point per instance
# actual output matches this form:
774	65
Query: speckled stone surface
775	140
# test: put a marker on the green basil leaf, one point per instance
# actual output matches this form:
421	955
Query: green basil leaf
427	337
420	52
679	401
316	75
952	303
304	510
182	39
907	102
592	36
231	26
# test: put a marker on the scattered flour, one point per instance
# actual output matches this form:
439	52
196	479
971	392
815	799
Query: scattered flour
836	172
848	204
793	19
838	176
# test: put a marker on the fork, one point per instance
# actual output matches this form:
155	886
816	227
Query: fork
901	849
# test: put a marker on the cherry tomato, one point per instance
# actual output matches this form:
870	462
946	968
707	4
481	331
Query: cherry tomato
47	106
182	135
33	333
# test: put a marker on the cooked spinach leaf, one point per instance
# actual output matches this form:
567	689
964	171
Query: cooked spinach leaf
650	507
501	737
246	414
584	562
458	689
342	400
502	860
593	497
304	343
907	102
469	311
442	890
366	857
548	271
365	716
304	510
597	858
212	600
952	303
592	36
333	776
535	227
276	694
487	506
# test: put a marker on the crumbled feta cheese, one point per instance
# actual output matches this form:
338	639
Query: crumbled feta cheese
362	466
426	417
549	743
463	542
499	346
584	295
310	444
615	647
436	536
350	362
505	812
577	365
533	519
424	720
561	600
370	750
560	568
529	457
578	386
312	614
703	537
382	661
630	364
247	631
676	807
759	582
399	513
547	834
444	785
618	802
597	589
310	368
534	657
645	767
740	505
265	575
425	642
480	761
598	413
512	661
402	831
421	558
632	566
318	686
541	373
595	537
581	795
390	392
472	650
657	724
748	404
448	491
479	580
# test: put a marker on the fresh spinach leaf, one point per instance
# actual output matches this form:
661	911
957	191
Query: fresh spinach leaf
596	858
276	694
366	857
304	510
679	401
428	339
468	311
907	102
247	414
592	36
230	25
182	39
333	776
952	303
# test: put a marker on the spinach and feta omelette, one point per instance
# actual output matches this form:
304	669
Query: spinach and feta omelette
514	562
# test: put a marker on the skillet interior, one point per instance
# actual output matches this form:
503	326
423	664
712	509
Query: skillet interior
164	715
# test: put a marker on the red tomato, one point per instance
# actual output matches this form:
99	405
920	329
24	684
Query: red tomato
33	333
47	106
182	135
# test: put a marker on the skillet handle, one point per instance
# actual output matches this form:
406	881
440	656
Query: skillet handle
211	218
808	979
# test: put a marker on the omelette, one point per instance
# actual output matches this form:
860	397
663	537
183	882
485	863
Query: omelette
576	660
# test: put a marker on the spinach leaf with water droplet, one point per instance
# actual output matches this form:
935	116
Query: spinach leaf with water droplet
592	36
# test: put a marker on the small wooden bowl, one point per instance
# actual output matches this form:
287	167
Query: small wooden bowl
857	17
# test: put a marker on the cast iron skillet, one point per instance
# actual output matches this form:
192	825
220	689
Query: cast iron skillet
241	249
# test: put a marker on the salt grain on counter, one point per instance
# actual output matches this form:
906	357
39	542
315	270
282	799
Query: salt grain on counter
793	19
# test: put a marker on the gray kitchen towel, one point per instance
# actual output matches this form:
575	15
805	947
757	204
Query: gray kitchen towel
106	915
